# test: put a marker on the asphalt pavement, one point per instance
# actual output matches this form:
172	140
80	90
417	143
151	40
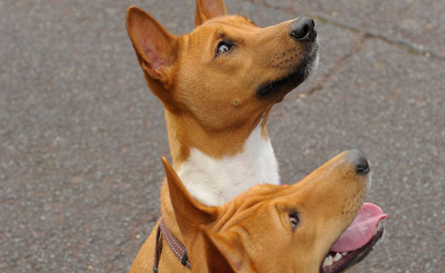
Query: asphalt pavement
81	135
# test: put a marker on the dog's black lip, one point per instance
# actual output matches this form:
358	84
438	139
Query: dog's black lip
292	80
356	256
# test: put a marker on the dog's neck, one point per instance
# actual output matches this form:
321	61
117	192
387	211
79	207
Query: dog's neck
214	174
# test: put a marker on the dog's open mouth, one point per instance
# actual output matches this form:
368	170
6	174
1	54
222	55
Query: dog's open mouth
357	241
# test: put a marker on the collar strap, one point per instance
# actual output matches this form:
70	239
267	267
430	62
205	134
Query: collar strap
175	245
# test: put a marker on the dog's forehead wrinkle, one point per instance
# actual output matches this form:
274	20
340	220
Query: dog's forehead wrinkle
240	212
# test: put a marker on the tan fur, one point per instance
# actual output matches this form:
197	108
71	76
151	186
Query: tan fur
252	233
210	102
211	105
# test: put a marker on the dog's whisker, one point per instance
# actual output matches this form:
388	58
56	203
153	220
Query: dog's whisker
322	68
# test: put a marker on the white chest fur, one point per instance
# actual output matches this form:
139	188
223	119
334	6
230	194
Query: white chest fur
216	181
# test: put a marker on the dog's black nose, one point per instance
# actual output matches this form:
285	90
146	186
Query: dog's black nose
363	166
359	159
304	30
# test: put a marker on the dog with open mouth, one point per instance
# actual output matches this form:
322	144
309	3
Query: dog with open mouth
319	225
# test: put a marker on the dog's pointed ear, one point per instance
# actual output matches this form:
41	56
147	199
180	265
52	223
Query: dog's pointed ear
223	252
155	47
189	213
208	9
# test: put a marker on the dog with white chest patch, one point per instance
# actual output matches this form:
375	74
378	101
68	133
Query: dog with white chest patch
218	85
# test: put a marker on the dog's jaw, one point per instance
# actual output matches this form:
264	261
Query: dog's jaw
216	181
297	75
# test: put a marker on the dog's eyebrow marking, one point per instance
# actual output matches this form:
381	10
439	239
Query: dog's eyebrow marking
223	36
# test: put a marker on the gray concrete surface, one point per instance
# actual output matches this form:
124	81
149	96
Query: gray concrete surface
81	136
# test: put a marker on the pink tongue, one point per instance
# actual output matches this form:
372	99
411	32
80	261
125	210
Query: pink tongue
360	232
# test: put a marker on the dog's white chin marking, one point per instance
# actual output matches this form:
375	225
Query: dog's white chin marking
216	181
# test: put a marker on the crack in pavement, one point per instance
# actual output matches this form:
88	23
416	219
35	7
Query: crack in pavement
366	32
371	34
336	67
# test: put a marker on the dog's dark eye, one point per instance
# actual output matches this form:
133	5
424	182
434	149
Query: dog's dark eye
294	220
224	47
